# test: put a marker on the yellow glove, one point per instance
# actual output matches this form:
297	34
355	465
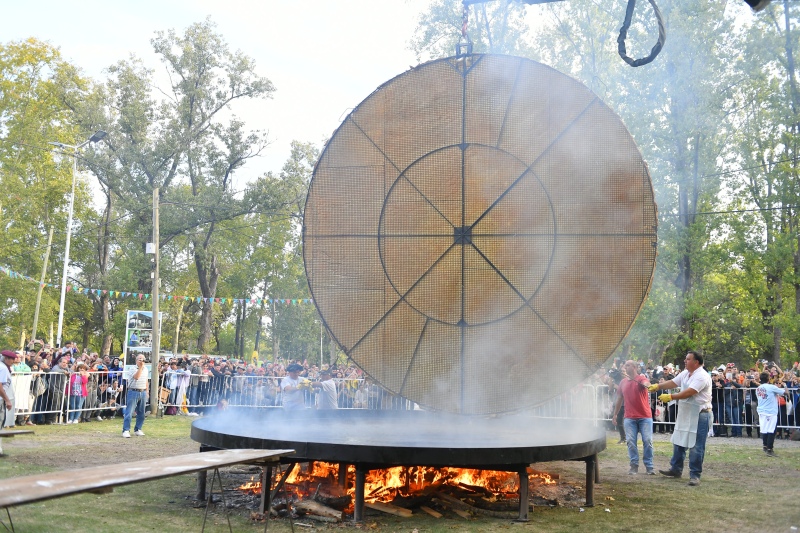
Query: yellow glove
666	397
653	387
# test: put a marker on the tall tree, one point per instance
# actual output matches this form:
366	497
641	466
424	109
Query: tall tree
766	115
34	180
182	139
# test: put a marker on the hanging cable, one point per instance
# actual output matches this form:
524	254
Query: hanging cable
623	33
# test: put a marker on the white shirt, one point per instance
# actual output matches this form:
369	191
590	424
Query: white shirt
5	376
767	395
294	399
327	397
130	371
699	380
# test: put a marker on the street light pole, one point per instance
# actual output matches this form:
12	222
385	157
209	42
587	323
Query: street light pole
100	134
155	354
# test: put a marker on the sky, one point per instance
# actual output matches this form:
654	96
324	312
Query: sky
323	56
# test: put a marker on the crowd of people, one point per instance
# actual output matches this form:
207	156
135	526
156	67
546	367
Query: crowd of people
65	384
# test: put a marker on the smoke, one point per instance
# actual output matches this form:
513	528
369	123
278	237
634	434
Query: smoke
365	432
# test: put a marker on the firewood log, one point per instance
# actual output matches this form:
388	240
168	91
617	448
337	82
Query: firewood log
455	504
310	507
339	503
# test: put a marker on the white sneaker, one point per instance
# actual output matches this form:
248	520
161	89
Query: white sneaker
139	433
126	434
99	418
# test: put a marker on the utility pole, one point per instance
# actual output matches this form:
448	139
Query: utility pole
98	136
41	284
156	350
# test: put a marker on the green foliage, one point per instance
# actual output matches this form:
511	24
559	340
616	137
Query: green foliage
715	116
35	180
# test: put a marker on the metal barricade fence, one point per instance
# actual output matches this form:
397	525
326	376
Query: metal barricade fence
44	397
260	391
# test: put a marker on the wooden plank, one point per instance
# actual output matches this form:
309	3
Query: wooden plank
390	509
462	514
430	511
12	432
28	489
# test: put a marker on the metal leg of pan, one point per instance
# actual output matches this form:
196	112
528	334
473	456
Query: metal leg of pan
591	461
342	475
361	476
596	470
523	494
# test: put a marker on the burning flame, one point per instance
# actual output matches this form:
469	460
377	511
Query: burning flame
387	484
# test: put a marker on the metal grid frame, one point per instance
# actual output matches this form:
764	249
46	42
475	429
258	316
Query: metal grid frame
480	234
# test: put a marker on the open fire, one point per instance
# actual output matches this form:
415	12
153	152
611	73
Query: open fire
390	484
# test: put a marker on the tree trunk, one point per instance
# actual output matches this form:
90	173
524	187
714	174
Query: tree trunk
175	344
237	329
207	275
688	191
796	285
240	345
275	342
105	322
103	253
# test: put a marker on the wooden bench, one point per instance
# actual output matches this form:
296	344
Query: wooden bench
102	479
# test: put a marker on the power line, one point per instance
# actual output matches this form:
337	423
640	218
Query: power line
732	211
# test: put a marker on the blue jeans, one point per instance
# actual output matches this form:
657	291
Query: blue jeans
75	406
192	398
733	419
634	426
696	454
135	401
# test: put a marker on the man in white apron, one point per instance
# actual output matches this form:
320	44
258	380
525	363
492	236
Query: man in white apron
694	416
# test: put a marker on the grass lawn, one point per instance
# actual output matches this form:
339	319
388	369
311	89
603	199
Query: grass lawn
742	490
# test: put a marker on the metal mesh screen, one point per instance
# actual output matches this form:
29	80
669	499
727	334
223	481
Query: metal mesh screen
480	234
